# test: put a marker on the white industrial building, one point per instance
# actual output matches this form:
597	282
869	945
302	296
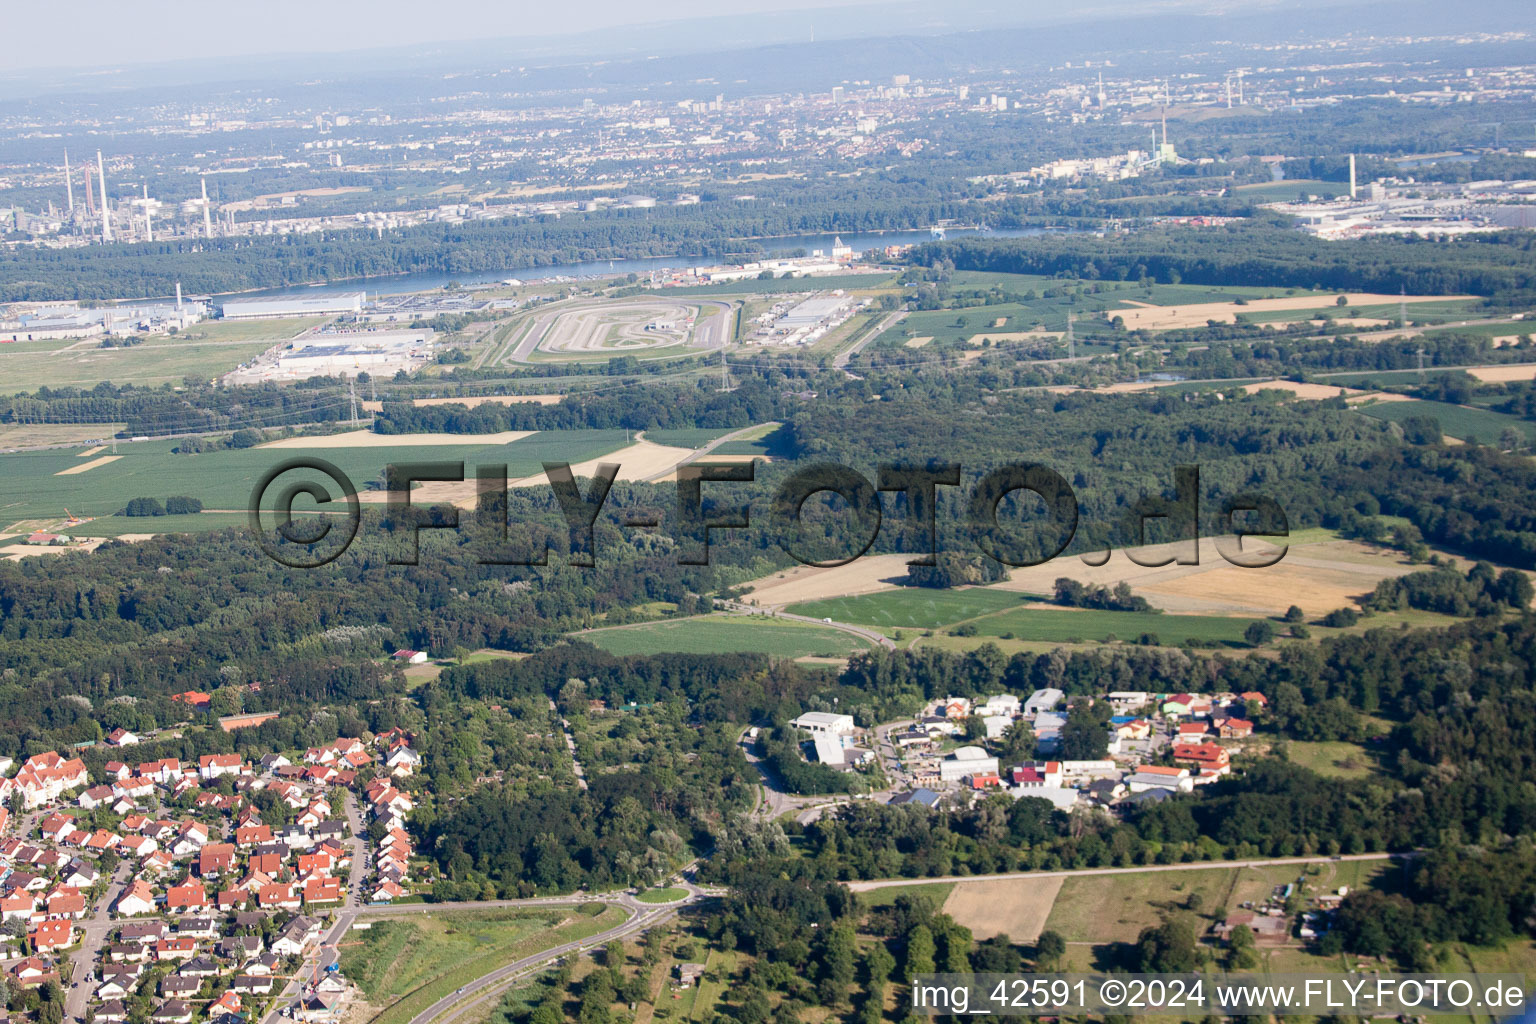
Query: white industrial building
271	309
1043	700
346	355
824	723
965	762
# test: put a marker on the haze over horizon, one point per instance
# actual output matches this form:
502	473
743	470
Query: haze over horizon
176	31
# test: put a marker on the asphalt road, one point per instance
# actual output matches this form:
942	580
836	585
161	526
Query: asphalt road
872	332
493	984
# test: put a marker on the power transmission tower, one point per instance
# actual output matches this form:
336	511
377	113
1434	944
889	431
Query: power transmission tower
352	394
1402	306
1420	354
1071	338
725	380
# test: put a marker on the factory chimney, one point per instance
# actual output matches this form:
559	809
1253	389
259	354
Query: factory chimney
106	208
207	220
1351	175
69	183
149	230
178	296
90	197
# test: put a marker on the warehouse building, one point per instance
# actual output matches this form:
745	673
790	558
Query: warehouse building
272	309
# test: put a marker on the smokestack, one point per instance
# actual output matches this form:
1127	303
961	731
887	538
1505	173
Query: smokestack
207	220
1351	175
106	208
178	296
69	183
90	196
149	231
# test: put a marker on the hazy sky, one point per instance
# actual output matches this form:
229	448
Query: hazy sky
86	33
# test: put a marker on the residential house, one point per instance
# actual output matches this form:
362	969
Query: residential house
138	898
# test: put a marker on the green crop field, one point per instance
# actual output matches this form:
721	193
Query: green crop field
770	440
913	607
1037	623
155	361
685	438
1289	189
1455	420
1513	329
223	480
725	634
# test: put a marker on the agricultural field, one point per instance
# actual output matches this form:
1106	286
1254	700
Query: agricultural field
223	480
1087	624
725	634
1015	907
770	440
1457	421
403	965
686	438
1115	908
913	607
31	435
84	364
1288	189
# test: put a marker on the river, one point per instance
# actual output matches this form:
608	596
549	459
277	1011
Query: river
397	284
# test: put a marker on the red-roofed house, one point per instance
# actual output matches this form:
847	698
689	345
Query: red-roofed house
189	895
50	936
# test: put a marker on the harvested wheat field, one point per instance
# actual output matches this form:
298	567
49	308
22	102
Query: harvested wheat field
1318	577
1511	371
368	439
919	342
999	339
1307	577
807	583
461	493
1017	908
1166	318
86	466
1308	391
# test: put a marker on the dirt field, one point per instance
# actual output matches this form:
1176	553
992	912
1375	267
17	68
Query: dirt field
27	434
998	339
87	466
807	583
1017	908
919	342
368	439
1165	318
470	403
1308	391
1514	371
1318	577
92	451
